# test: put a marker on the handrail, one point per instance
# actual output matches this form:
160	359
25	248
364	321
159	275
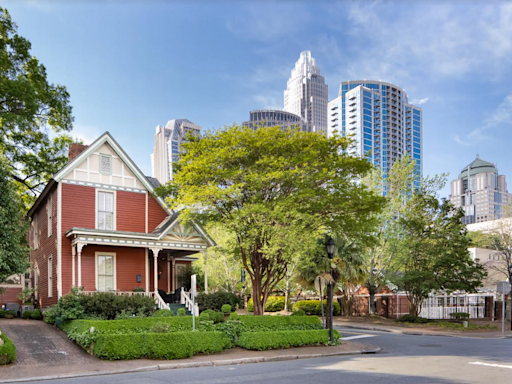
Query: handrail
161	304
187	301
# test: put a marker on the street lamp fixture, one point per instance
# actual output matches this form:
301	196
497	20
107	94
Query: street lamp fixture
330	246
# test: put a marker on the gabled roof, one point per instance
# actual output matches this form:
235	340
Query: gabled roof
105	138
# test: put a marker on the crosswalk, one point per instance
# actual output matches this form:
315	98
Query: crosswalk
351	335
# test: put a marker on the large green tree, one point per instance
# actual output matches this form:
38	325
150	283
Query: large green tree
14	250
432	253
277	191
34	114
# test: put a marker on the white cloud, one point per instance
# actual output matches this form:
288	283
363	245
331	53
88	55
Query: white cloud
458	140
419	101
268	102
502	115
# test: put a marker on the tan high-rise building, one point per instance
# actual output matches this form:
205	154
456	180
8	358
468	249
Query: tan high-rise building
168	142
481	192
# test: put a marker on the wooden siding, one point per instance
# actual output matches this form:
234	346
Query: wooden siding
131	212
47	246
156	214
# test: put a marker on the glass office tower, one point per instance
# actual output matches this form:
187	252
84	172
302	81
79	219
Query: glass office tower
382	122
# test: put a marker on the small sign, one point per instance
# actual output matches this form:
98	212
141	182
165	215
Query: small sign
504	287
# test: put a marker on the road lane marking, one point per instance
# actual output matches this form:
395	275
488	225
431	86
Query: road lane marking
357	337
491	365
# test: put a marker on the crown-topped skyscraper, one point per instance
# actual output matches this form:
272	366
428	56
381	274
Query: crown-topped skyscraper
306	94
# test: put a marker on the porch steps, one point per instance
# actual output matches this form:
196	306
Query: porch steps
175	306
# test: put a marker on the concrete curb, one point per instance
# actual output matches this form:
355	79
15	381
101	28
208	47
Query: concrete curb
198	364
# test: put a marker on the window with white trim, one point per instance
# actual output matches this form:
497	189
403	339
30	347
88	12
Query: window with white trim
49	209
35	232
105	272
105	212
105	164
50	277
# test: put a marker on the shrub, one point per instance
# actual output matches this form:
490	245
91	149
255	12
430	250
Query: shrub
50	314
208	342
459	315
124	314
204	316
109	305
216	317
176	345
232	329
7	350
4	312
234	316
413	319
273	304
299	312
280	323
34	315
163	313
226	308
80	330
69	306
139	289
182	312
313	307
284	339
216	300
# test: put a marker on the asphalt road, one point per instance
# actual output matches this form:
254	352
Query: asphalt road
404	359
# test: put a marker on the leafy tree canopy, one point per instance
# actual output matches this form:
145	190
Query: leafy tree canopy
34	114
277	191
14	250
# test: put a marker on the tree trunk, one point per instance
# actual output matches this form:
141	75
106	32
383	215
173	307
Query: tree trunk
371	299
257	298
286	294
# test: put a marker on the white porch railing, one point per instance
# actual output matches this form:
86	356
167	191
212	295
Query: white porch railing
160	303
186	299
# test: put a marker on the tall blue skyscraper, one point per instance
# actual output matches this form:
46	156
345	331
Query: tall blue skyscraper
382	122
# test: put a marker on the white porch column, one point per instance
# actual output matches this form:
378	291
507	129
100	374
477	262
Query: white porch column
173	274
205	255
79	247
168	274
73	278
155	267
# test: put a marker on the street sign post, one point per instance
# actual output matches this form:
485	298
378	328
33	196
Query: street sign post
504	287
193	281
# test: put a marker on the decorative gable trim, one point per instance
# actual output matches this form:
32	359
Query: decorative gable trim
107	138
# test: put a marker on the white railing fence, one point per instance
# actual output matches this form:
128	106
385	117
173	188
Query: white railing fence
440	307
186	299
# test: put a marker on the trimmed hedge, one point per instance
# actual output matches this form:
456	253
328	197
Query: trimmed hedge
177	345
216	317
413	319
109	305
280	323
273	304
7	350
261	341
313	307
34	315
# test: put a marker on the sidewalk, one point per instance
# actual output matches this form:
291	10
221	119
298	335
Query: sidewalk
45	353
418	330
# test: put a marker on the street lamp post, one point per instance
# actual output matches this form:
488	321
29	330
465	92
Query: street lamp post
330	246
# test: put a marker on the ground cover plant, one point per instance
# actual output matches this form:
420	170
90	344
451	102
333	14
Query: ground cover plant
7	350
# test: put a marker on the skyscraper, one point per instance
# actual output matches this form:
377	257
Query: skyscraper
382	122
306	94
480	191
168	142
272	118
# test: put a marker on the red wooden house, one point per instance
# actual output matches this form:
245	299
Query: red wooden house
98	225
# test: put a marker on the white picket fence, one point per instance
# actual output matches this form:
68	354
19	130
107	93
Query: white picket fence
440	307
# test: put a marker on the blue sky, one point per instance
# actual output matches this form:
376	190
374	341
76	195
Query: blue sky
132	65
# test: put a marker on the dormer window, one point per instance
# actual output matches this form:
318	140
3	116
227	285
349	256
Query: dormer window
105	164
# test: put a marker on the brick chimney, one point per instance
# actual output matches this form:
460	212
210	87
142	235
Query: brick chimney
75	149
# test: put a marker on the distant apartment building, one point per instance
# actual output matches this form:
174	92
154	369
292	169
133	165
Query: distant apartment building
168	142
380	119
272	118
306	94
480	191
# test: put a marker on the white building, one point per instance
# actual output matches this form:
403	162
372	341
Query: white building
306	94
168	142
